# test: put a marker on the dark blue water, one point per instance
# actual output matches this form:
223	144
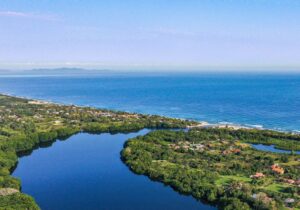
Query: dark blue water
85	172
271	101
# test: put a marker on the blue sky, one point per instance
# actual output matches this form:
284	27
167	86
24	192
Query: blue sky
150	34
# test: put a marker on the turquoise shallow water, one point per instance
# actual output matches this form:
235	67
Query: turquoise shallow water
269	100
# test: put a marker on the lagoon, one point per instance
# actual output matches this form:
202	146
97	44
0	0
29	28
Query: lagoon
86	172
271	148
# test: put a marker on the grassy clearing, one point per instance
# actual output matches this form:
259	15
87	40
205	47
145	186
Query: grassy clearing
227	179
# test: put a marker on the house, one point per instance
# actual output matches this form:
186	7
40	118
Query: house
277	169
226	152
258	175
199	146
185	147
236	151
231	151
37	102
290	181
289	200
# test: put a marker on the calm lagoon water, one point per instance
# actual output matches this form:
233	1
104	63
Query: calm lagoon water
86	172
271	148
269	100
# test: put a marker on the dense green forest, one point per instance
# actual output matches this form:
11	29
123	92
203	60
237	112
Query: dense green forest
220	166
25	124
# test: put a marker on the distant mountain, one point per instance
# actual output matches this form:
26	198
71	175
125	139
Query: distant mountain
6	72
57	71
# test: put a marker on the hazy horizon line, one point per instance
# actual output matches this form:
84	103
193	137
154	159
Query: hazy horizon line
276	69
140	67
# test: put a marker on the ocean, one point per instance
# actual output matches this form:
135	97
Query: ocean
258	100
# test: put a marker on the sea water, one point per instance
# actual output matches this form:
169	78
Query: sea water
258	100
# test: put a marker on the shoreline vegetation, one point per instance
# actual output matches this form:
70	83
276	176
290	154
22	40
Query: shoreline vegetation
197	123
26	123
219	166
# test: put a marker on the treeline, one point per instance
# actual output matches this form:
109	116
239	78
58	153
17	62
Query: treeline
281	140
18	201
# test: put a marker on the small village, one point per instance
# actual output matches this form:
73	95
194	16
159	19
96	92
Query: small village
57	114
272	174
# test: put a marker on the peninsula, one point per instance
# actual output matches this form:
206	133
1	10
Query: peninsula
220	166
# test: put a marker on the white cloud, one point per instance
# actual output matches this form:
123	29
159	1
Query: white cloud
28	15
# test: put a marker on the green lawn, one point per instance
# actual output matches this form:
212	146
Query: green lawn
227	179
276	187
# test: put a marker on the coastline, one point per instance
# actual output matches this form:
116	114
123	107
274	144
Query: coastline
201	123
